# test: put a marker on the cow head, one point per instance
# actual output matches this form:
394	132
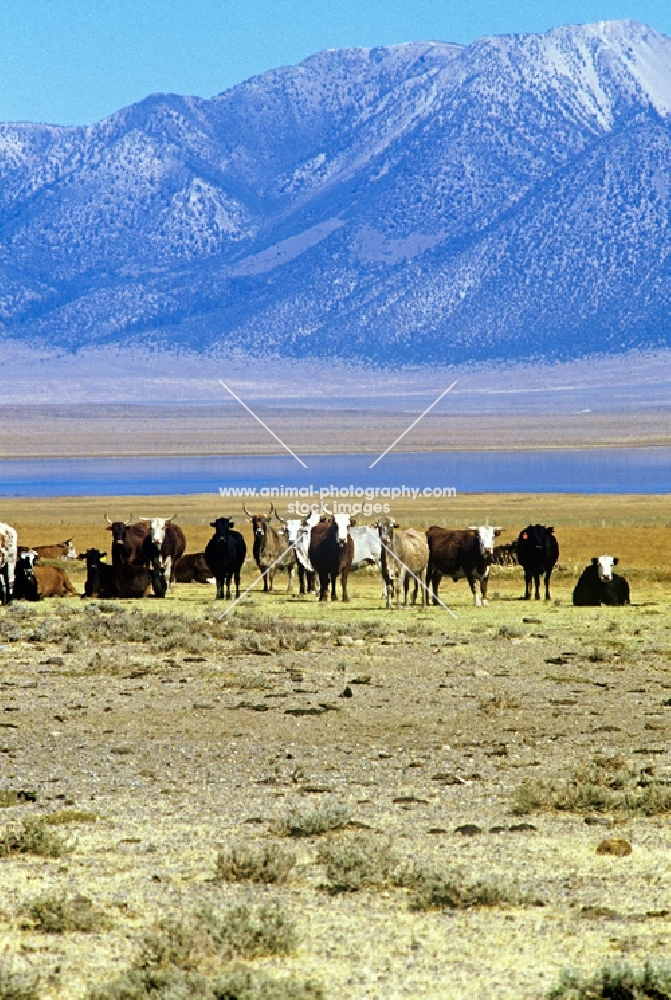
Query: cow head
604	566
222	526
94	563
292	526
25	583
259	521
385	529
341	523
486	536
71	552
118	529
311	519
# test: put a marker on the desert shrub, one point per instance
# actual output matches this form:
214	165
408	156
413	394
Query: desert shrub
17	983
615	983
603	785
314	822
361	862
65	816
56	914
269	864
436	890
242	984
8	798
241	932
33	836
155	983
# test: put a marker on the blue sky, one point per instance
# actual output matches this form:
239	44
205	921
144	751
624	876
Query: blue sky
76	61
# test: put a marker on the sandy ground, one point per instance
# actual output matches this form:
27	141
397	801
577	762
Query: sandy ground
183	734
97	431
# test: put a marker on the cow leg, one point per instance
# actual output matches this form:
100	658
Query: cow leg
5	595
290	585
484	582
220	589
527	585
343	584
168	569
537	586
547	585
323	586
434	583
473	584
301	579
334	595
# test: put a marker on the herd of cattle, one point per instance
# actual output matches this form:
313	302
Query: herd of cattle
147	556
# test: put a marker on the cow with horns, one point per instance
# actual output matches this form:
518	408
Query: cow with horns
224	554
163	545
127	541
331	552
405	555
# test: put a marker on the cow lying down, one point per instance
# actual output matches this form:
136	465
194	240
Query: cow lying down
33	582
598	584
121	581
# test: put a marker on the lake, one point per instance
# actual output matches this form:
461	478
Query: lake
624	470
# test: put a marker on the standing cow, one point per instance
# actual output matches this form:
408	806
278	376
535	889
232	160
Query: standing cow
598	584
224	554
258	522
537	553
461	553
163	545
127	541
306	572
402	551
8	556
331	552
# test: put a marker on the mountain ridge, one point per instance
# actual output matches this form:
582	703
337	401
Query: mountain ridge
426	201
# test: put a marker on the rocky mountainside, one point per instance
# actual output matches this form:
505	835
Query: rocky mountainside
425	201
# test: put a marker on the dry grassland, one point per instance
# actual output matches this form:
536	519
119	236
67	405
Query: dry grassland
305	800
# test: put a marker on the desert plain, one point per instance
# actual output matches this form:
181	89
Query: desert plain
362	803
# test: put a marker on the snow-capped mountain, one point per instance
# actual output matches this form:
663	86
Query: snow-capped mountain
424	201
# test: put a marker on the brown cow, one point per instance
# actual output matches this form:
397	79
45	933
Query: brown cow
128	541
331	553
53	582
258	522
461	554
402	551
193	568
61	550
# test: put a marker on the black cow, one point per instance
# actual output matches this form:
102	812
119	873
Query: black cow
121	580
598	584
537	552
225	554
331	552
26	587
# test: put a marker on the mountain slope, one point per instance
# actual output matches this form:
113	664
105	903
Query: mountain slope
506	199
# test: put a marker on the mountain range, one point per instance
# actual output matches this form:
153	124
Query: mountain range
425	202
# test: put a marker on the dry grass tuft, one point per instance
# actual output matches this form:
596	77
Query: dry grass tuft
615	983
242	984
33	836
435	890
361	862
268	864
65	816
605	785
56	914
18	984
315	822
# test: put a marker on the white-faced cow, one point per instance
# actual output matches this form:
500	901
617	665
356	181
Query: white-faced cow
331	551
306	572
164	544
537	552
121	580
599	584
461	554
225	554
25	583
404	553
61	550
8	556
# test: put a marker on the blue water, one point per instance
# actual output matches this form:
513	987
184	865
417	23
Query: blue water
624	470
